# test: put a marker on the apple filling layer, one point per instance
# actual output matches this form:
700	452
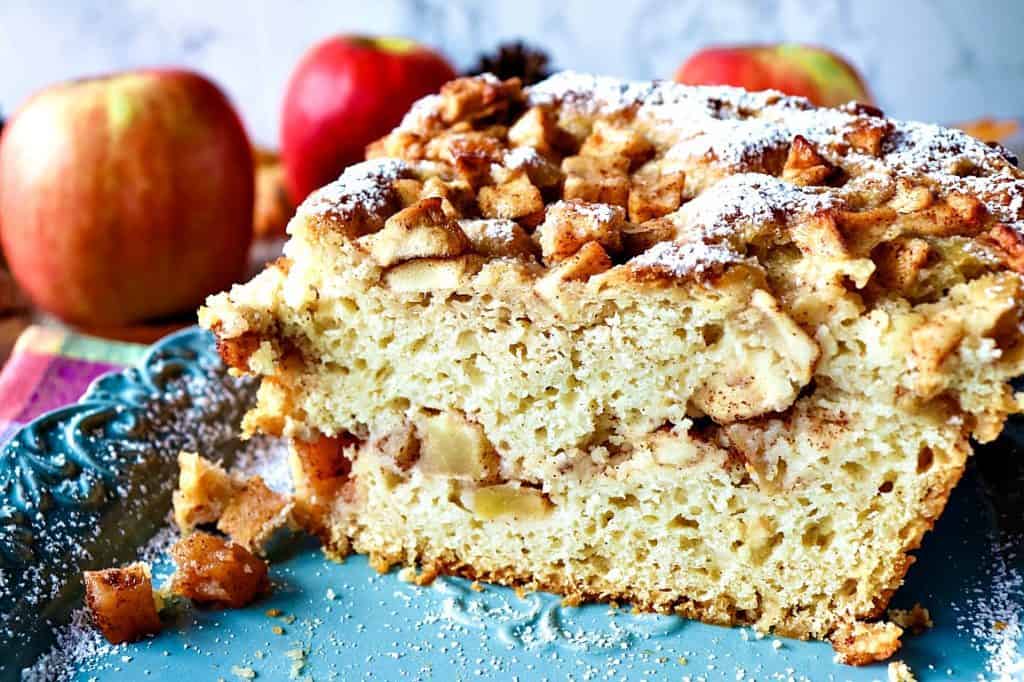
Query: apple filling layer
789	523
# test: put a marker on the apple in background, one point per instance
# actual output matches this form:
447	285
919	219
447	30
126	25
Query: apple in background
821	76
126	198
346	92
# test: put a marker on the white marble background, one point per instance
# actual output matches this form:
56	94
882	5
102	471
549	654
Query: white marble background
941	60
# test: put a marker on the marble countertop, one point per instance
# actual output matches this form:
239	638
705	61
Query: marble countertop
939	60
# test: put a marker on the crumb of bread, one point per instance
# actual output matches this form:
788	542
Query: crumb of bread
898	671
916	619
860	643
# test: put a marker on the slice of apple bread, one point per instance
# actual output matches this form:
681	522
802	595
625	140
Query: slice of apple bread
711	352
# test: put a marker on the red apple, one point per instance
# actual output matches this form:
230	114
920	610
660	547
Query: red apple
345	93
126	197
821	76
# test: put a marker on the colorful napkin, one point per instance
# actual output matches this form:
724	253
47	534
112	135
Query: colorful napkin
50	368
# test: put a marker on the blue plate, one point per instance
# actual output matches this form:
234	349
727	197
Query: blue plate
344	621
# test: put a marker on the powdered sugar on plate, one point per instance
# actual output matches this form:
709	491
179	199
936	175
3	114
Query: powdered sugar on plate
994	618
266	457
79	645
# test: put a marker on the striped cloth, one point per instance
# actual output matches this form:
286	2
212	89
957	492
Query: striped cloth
50	368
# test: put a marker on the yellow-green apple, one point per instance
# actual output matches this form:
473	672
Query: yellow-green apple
126	197
818	74
346	92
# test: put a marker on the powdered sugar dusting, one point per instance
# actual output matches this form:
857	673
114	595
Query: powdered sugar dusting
731	127
681	259
604	95
76	642
266	457
522	157
502	230
957	162
366	185
420	112
735	129
750	199
602	213
994	617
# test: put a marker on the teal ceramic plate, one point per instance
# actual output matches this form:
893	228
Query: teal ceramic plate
344	621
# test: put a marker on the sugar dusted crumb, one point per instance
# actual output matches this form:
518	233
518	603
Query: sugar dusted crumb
243	673
916	619
898	671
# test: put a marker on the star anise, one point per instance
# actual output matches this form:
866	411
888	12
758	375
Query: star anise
511	60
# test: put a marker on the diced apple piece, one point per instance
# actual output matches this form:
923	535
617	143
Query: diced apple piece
324	458
419	231
121	602
454	446
509	500
498	238
762	376
430	274
215	571
515	198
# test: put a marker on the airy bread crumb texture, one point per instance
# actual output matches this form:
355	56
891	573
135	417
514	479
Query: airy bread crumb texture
710	352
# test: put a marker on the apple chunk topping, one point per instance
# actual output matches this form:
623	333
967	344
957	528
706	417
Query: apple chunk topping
217	572
451	445
122	603
508	500
422	230
568	225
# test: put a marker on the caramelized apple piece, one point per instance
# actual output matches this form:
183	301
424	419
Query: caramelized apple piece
214	571
121	602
